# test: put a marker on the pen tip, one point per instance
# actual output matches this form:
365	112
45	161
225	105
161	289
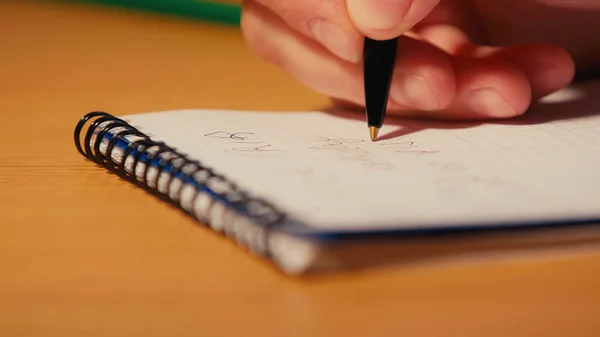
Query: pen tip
373	131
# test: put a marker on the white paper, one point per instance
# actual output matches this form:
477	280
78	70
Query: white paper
323	170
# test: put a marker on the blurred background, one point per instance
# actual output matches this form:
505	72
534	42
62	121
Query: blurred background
221	11
136	55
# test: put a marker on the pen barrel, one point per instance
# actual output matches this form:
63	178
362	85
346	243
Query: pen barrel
379	60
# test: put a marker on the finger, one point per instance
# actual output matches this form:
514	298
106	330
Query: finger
547	67
386	19
424	78
488	88
456	14
487	85
272	39
325	21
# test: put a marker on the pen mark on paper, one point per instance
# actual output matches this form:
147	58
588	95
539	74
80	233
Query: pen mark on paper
407	147
406	143
262	148
236	136
351	151
337	144
370	156
354	146
255	144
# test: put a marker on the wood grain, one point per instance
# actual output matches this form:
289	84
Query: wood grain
84	254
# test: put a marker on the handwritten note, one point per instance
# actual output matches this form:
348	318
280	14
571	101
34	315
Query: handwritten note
353	151
324	171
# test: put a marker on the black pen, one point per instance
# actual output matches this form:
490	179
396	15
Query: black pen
379	58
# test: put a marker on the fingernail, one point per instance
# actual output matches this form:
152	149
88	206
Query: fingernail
488	102
335	40
378	14
411	91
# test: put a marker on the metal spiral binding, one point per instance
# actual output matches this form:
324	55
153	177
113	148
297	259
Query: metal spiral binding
171	176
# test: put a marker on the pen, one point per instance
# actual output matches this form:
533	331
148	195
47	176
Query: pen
379	58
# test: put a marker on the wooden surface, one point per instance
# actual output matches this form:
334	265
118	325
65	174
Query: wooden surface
84	254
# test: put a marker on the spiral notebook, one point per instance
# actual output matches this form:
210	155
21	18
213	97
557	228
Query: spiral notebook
309	191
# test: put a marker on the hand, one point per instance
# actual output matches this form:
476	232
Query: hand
446	65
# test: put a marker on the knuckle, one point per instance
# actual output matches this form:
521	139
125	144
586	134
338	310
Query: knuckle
258	36
298	14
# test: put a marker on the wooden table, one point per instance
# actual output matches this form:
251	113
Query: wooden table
85	254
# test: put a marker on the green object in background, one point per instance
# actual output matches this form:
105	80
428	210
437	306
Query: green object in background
225	13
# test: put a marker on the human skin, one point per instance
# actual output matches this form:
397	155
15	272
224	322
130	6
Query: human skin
457	59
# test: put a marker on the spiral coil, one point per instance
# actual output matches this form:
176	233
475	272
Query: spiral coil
170	175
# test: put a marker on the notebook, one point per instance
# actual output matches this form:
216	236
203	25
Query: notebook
308	190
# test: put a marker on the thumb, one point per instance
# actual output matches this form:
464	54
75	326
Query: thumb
386	19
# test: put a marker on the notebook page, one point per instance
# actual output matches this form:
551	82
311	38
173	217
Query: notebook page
322	169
